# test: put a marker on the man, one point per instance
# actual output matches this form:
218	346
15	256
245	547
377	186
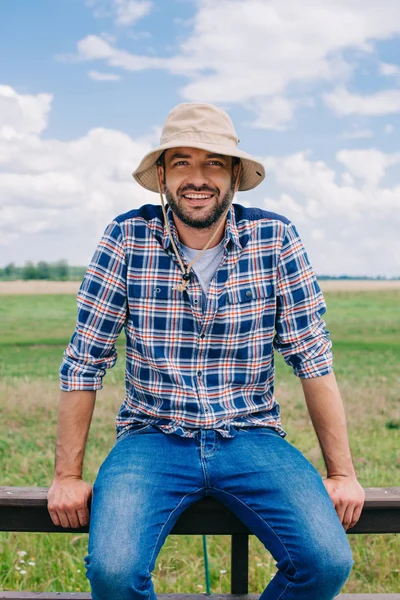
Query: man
205	291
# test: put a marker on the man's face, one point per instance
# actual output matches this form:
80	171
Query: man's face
198	185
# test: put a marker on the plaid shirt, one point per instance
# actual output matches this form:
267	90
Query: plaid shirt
187	369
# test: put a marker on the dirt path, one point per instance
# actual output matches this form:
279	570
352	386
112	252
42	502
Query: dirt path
71	287
18	288
344	285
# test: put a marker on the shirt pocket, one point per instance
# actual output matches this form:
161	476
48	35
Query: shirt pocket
152	289
252	307
243	329
249	292
155	318
151	305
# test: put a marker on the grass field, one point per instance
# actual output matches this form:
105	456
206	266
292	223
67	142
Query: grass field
34	330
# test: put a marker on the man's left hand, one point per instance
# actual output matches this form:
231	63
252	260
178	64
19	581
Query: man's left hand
347	496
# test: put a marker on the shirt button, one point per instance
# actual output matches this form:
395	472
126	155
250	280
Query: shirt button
199	373
196	301
249	294
203	335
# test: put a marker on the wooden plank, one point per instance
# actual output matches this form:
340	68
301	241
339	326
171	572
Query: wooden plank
37	496
382	497
23	496
86	596
25	509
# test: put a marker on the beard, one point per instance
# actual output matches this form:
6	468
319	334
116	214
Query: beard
188	217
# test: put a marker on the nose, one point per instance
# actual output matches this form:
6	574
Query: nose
198	176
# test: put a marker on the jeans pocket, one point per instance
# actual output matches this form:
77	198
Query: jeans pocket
133	431
263	430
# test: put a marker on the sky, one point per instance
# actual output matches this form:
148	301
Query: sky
313	89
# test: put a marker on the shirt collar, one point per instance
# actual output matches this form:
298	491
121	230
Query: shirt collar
231	231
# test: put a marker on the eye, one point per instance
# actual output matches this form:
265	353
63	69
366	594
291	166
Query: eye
179	163
216	162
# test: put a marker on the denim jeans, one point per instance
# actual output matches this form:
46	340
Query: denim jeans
149	478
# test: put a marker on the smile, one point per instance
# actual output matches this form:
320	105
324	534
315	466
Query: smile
198	196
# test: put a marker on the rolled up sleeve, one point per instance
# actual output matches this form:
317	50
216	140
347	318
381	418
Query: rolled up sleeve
102	310
300	332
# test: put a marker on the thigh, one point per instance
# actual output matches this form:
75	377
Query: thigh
144	484
281	497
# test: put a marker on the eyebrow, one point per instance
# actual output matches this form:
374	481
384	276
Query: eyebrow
178	155
220	156
182	155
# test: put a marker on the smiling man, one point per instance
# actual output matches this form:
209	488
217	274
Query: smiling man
202	206
206	290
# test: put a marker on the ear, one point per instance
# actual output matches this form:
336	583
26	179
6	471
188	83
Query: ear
237	175
161	176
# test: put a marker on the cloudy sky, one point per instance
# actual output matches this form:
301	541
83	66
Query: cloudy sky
312	87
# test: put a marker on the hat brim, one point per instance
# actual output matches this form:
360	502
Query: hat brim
253	172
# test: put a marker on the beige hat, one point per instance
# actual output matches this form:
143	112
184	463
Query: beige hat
203	126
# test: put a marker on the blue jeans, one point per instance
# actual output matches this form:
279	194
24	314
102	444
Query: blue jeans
149	478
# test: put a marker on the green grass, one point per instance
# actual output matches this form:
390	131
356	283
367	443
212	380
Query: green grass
34	331
36	320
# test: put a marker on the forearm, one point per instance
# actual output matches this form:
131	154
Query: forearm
74	418
327	414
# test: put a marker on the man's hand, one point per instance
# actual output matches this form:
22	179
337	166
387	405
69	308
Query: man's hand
67	502
348	498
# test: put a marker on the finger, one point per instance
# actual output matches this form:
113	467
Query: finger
63	518
83	516
73	519
54	517
356	516
348	516
67	518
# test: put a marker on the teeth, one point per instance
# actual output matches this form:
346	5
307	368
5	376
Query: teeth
197	196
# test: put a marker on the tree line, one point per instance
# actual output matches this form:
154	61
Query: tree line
57	271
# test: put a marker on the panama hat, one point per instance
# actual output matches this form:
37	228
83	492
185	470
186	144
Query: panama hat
203	126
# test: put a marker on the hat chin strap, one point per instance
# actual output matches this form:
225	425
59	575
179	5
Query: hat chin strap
181	287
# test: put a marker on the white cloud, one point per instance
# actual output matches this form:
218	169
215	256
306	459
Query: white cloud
369	165
285	205
130	11
347	179
316	182
317	234
388	69
349	227
343	102
124	12
22	114
93	47
97	76
274	113
315	193
51	189
267	55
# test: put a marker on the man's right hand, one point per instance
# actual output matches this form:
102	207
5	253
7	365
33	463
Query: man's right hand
67	502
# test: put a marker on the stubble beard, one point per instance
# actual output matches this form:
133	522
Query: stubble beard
220	206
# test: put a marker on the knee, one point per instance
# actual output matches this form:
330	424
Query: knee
329	571
116	577
334	570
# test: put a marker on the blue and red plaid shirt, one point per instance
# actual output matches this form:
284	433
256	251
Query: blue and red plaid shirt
187	369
